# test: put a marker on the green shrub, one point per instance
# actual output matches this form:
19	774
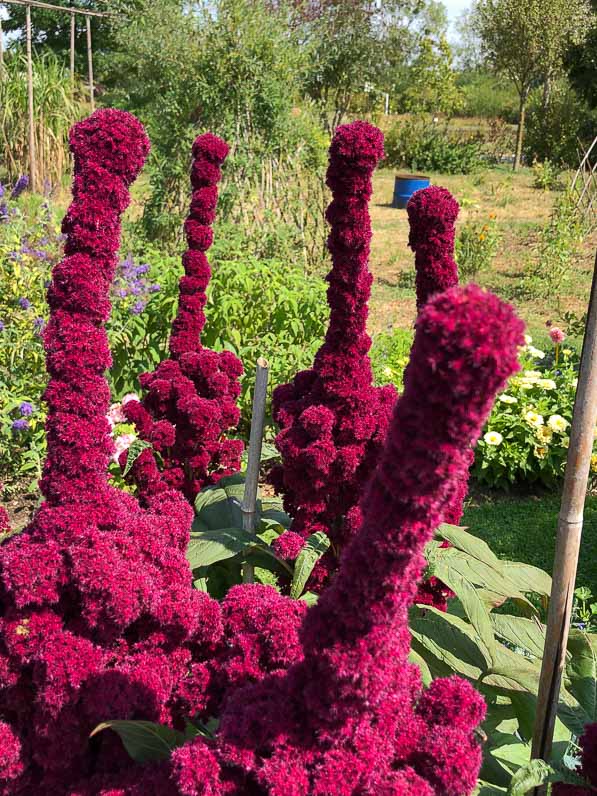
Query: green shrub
422	145
546	176
476	246
558	133
256	307
389	356
488	96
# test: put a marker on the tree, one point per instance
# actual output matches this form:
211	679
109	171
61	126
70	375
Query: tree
528	42
581	63
432	80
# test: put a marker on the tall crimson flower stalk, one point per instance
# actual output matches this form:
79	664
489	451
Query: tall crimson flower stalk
190	399
352	716
332	419
432	214
98	617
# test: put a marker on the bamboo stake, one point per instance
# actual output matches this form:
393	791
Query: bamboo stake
32	158
90	64
568	539
249	503
72	54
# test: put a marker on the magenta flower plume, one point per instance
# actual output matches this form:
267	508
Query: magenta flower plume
98	617
352	716
4	518
432	214
332	419
588	745
190	399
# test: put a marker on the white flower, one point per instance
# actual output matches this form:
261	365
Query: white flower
493	438
544	434
532	375
558	423
575	383
547	384
533	418
115	415
540	451
507	399
130	396
528	339
534	352
387	372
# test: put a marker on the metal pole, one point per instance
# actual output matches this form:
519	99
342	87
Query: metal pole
90	64
249	503
568	539
72	53
32	158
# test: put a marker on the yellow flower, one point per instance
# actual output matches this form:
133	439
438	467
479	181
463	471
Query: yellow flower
565	441
507	399
547	384
566	351
558	424
388	372
532	375
544	434
540	451
594	463
533	418
481	237
535	352
493	438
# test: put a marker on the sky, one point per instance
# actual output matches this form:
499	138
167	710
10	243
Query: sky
455	7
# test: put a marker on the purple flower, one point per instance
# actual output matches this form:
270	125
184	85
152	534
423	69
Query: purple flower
20	425
155	288
138	307
19	186
47	283
24	303
2	326
3	211
39	325
26	408
141	269
44	241
2	190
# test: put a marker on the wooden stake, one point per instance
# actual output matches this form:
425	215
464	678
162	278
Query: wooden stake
249	504
1	52
32	158
90	64
568	539
72	54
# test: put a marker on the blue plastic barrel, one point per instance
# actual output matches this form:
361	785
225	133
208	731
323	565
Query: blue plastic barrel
405	185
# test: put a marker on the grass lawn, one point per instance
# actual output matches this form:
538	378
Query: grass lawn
524	529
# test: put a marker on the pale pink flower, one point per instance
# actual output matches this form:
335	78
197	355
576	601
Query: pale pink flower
130	396
122	443
115	415
557	335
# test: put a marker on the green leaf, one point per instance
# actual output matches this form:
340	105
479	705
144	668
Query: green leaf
475	610
207	547
534	773
468	543
309	597
486	789
528	578
426	676
135	450
317	544
528	634
581	670
450	640
144	740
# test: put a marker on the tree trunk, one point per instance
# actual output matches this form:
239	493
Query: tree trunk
546	93
522	111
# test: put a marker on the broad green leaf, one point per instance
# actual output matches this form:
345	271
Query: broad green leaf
581	669
473	606
144	740
486	789
135	450
513	672
449	639
310	598
207	547
468	543
529	634
317	544
534	773
426	675
528	578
